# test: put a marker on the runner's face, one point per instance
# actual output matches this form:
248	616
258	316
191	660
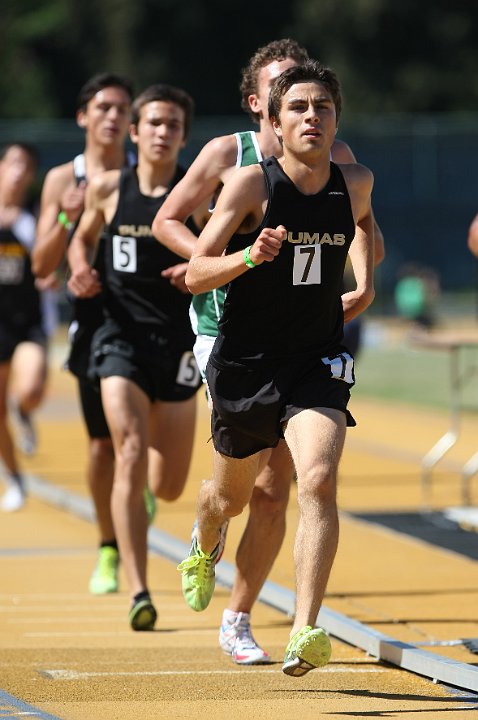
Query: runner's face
107	116
266	77
17	171
307	118
160	131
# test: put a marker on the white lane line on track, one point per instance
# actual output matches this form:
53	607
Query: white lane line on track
105	610
44	552
120	633
76	675
28	609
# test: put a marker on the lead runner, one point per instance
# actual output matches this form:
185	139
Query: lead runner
279	237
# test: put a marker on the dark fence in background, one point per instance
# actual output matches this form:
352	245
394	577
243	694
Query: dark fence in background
425	193
426	181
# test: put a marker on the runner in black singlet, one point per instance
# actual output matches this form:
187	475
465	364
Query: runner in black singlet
104	110
142	353
279	239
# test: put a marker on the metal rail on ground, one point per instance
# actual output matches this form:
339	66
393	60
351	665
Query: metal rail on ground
383	647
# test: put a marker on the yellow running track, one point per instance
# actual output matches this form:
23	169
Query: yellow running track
67	655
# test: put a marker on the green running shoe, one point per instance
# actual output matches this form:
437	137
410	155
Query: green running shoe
105	575
198	577
150	504
143	615
309	648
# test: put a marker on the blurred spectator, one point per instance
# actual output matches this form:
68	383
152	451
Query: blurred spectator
416	295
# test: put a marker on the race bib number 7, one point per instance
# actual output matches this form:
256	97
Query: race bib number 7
307	265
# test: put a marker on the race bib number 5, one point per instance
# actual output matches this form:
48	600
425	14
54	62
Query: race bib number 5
124	254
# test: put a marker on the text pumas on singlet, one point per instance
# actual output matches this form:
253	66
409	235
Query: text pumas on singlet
134	293
293	304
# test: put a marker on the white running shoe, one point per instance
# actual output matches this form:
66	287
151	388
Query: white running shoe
222	537
13	499
236	640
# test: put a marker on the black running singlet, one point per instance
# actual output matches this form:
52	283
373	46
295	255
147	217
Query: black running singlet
135	295
293	304
89	311
19	299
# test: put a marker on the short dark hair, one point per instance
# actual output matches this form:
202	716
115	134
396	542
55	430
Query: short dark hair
310	71
27	148
165	93
275	50
100	82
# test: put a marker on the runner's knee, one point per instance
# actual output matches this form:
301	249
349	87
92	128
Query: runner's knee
271	503
318	483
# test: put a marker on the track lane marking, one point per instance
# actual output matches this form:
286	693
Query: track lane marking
78	675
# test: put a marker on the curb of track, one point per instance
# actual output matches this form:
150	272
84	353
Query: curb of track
383	647
20	708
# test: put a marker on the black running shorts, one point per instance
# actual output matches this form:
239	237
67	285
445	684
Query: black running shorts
253	399
92	408
80	336
164	368
11	337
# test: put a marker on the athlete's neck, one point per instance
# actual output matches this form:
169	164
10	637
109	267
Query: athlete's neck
309	176
11	199
268	140
9	214
99	158
155	178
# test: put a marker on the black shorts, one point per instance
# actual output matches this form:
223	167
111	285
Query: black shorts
253	399
92	408
80	336
11	337
164	368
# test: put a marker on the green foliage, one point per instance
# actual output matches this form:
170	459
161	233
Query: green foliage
407	56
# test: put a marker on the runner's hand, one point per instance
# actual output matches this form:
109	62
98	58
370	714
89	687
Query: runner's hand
73	201
267	245
176	275
84	283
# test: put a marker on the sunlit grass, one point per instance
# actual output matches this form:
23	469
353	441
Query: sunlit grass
399	372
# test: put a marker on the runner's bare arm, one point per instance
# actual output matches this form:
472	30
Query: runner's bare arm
342	154
240	207
473	236
360	181
208	170
59	194
84	281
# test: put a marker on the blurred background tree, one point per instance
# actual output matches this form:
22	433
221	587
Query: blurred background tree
402	56
405	56
408	73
